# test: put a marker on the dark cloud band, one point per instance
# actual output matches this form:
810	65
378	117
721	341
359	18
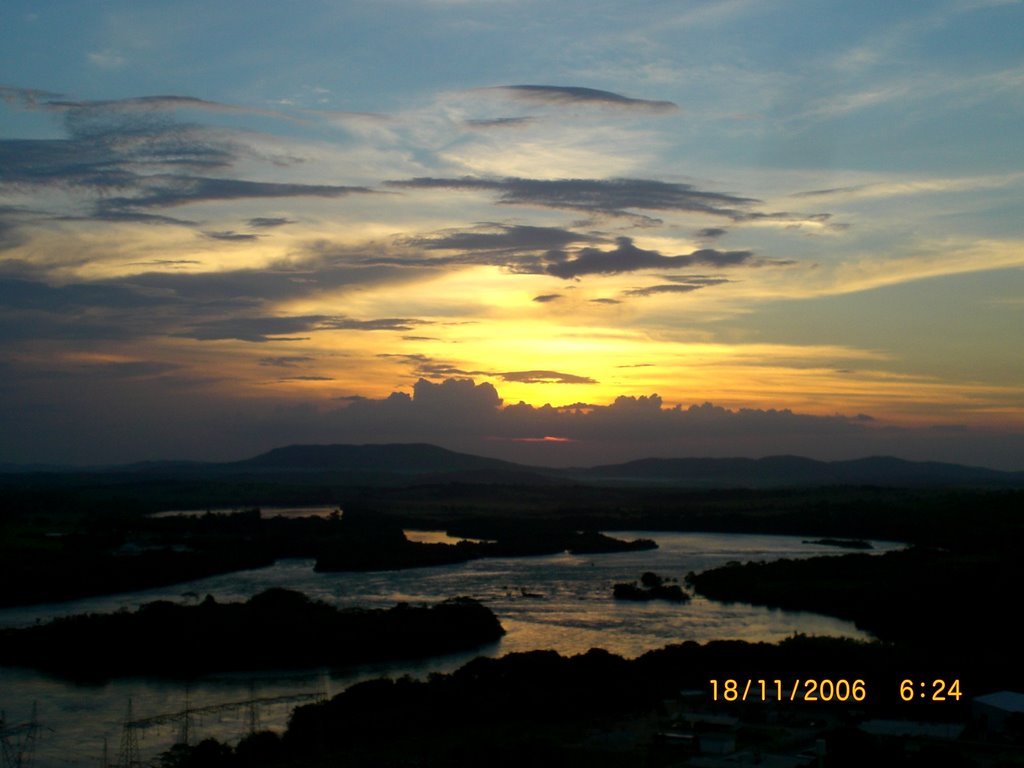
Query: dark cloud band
627	257
614	197
576	95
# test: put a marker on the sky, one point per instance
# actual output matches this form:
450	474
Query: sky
564	232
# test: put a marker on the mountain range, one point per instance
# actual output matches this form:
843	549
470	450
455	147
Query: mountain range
404	463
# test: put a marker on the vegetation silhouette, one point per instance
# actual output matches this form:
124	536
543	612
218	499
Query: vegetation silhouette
278	628
654	587
921	596
552	709
364	543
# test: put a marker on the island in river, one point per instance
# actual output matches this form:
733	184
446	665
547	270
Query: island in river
276	629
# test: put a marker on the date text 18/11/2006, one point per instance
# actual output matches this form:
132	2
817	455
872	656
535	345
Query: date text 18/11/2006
827	690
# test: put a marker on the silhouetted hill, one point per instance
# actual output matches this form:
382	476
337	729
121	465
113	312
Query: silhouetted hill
443	465
399	458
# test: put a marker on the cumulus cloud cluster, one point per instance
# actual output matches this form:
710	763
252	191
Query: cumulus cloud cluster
473	417
467	409
159	415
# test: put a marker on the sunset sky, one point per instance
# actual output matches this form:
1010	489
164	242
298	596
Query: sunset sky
561	232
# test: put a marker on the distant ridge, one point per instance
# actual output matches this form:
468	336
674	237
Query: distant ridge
404	463
424	459
400	458
800	471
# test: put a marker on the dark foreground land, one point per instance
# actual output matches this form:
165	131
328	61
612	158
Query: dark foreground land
598	709
944	611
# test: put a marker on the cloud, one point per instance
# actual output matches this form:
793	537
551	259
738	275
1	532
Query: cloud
263	329
431	368
560	95
160	418
500	237
107	59
463	415
164	263
133	217
611	197
23	294
28	98
232	236
880	187
626	257
501	122
177	303
710	233
279	281
130	369
548	250
681	285
266	222
170	190
518	248
112	154
286	361
425	366
11	233
547	297
134	154
546	377
456	396
162	103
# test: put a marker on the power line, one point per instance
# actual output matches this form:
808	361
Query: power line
18	742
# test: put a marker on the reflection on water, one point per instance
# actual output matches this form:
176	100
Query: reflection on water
439	537
573	612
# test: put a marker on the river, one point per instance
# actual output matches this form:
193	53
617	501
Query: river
561	602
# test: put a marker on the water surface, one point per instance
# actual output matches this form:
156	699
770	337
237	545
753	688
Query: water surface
570	609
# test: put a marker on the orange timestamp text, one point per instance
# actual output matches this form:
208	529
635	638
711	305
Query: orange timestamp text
779	690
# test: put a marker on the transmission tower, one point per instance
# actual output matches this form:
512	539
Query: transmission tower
186	720
252	710
19	753
129	757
